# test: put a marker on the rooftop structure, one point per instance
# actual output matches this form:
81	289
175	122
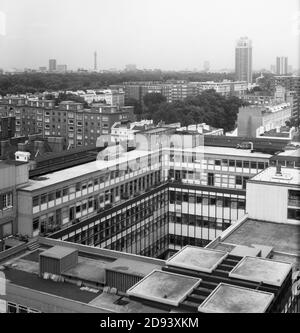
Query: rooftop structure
109	281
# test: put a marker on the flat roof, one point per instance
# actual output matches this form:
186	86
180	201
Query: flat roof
290	176
228	151
58	252
282	237
261	270
33	281
88	270
232	299
290	153
122	304
196	258
79	170
131	267
164	287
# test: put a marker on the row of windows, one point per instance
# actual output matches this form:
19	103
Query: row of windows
181	241
199	221
83	188
17	308
205	199
185	158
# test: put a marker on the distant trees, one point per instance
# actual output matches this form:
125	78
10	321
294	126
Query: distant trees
208	107
138	110
39	82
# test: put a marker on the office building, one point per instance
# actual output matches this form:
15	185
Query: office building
281	65
142	202
52	65
243	60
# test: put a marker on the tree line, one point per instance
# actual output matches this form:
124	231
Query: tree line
209	107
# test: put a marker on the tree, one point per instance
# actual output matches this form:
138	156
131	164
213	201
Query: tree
138	110
153	99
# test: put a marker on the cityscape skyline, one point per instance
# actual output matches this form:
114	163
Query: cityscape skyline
58	34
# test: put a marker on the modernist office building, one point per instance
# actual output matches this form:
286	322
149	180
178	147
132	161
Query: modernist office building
80	126
147	201
243	60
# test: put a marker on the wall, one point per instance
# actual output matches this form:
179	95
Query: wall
268	202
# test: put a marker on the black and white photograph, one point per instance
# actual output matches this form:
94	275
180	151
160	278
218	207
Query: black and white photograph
149	160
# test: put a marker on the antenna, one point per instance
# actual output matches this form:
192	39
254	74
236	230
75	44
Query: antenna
95	62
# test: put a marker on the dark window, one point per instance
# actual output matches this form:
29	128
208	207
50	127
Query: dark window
211	179
294	214
238	180
231	163
294	198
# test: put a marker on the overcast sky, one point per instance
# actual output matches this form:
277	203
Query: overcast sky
166	34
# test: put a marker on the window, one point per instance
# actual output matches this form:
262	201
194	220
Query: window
35	224
35	201
218	162
11	307
253	165
210	179
261	165
43	199
238	180
239	164
294	198
231	163
246	164
294	214
7	200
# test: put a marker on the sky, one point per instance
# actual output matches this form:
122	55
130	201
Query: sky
165	34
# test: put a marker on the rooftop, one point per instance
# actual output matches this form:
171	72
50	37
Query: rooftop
79	171
232	299
289	176
229	152
164	287
281	237
196	258
58	252
196	279
261	270
128	266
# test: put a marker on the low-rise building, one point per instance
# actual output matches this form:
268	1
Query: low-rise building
254	120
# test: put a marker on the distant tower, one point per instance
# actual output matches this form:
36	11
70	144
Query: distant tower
206	66
281	65
95	62
243	60
52	65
